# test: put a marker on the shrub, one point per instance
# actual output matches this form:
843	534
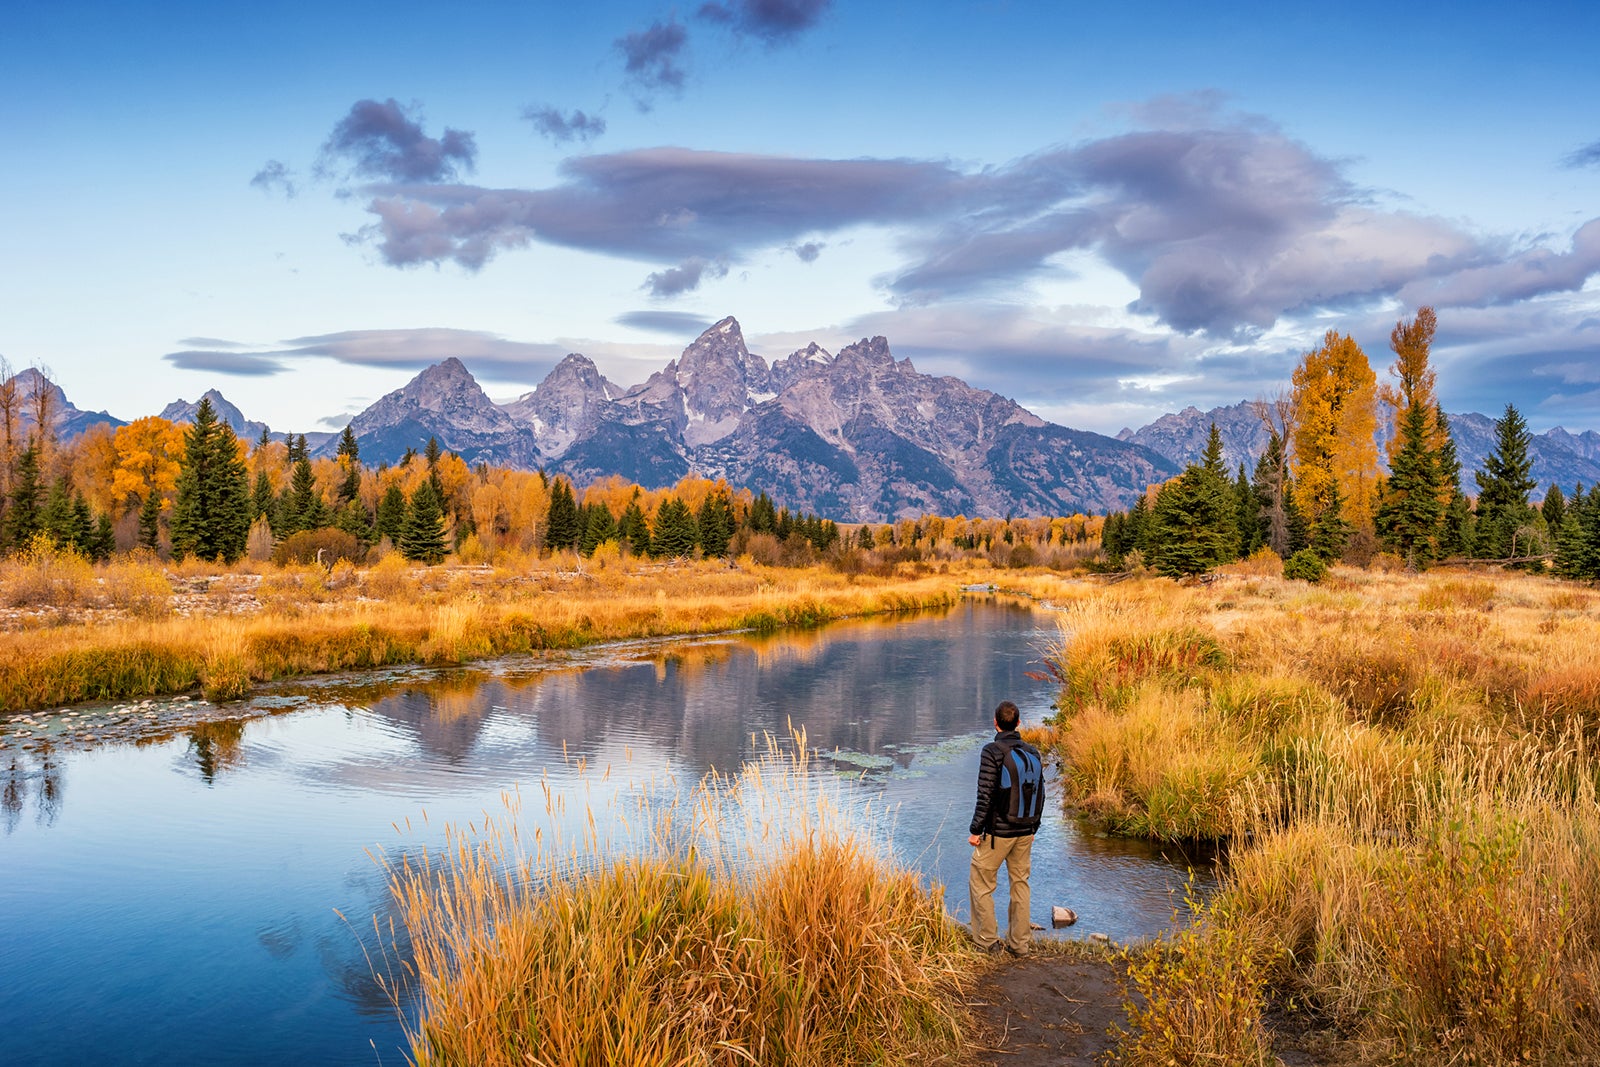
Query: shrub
333	544
1305	566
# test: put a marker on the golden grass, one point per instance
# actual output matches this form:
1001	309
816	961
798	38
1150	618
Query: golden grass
745	922
1407	769
309	620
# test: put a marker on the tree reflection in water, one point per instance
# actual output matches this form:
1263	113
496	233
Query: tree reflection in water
217	747
44	781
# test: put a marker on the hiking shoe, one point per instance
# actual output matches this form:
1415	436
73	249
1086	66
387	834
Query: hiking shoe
996	949
1022	955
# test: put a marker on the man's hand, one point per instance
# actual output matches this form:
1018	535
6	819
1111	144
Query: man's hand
974	840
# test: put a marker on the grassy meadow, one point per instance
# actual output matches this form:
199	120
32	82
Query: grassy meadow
71	631
1405	767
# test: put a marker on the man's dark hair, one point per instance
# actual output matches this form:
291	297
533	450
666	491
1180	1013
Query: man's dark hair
1006	716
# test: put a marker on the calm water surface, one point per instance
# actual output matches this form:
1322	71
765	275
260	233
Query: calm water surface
180	900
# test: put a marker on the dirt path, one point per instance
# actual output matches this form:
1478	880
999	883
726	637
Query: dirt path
1053	1008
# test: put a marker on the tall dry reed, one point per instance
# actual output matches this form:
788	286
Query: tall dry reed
748	920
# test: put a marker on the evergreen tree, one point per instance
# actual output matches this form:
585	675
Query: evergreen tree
1455	527
22	517
263	501
1113	541
1137	533
1193	526
58	520
1329	532
1554	509
104	542
432	454
391	520
675	533
297	449
1412	511
1247	514
1296	525
763	517
354	520
422	536
1503	487
349	456
303	507
562	528
211	511
598	527
863	535
784	527
150	521
1271	485
715	523
634	529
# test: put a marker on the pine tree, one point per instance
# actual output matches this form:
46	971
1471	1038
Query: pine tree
634	529
1329	532
715	523
561	525
349	456
422	537
303	507
1247	514
211	511
391	519
22	517
263	501
1194	527
104	542
1554	509
150	521
675	533
354	520
432	454
1271	484
1503	487
1412	511
598	527
763	517
57	520
298	449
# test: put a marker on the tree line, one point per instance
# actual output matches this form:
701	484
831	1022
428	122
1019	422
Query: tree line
199	491
1318	494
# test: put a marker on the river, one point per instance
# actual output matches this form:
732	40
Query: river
206	896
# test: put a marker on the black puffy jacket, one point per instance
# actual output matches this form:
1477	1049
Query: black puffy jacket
992	813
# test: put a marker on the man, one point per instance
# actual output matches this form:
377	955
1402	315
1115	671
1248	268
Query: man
1010	800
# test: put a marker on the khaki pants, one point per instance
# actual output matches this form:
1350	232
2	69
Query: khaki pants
1017	854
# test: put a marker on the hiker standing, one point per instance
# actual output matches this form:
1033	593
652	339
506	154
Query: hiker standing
1010	800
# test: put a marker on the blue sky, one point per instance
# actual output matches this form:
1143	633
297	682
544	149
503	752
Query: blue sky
1105	211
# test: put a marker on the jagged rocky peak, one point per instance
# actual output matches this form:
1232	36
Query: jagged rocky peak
566	405
788	370
719	377
868	350
228	414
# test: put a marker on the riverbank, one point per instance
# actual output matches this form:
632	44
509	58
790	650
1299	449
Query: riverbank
139	631
1406	767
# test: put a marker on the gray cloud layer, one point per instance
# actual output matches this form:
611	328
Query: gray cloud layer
673	323
274	175
652	57
1223	228
562	128
399	349
382	141
774	21
1587	156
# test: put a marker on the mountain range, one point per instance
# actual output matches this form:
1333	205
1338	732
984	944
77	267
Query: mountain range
1559	457
856	435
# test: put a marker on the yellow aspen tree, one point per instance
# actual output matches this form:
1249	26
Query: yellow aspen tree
1335	422
1414	378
